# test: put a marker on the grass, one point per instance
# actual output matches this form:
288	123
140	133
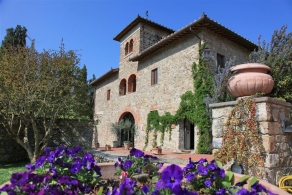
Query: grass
7	170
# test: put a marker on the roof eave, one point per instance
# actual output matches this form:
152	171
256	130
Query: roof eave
104	76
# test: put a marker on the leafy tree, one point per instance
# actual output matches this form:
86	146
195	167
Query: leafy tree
36	89
14	38
91	92
278	55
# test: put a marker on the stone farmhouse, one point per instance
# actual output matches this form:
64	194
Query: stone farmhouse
155	69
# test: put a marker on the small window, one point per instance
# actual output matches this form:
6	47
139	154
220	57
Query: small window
108	95
123	87
154	76
132	83
131	45
220	61
126	48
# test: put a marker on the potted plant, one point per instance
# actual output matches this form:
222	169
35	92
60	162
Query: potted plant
108	147
97	145
127	145
157	150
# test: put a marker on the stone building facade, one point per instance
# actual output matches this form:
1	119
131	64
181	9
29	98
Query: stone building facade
155	69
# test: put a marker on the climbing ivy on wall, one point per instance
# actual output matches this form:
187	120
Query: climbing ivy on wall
157	123
192	107
203	85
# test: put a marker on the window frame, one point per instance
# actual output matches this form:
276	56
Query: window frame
154	76
222	59
108	94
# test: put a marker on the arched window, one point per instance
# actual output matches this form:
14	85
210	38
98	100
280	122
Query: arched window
131	45
126	48
123	87
132	83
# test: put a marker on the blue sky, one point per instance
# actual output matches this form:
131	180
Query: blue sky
89	26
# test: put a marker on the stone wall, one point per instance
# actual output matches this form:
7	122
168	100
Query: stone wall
271	115
69	133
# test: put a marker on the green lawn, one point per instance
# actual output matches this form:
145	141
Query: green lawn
8	169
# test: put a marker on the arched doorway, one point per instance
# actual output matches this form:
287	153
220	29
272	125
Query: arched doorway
128	131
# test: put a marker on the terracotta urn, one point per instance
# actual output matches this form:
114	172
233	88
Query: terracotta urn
249	79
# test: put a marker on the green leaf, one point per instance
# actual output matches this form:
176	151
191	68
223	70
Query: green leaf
3	193
244	178
234	190
100	191
219	164
141	177
252	181
148	167
228	176
226	184
154	179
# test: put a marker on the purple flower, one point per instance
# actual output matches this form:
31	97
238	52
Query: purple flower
75	168
53	170
52	156
127	186
220	172
138	153
208	183
159	184
30	167
212	166
240	183
242	191
132	151
222	191
190	165
160	165
202	170
190	176
40	161
138	170
97	170
147	156
28	188
128	164
47	151
171	176
178	190
19	179
202	161
145	189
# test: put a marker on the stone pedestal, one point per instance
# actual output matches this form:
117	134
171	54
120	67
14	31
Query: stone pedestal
271	115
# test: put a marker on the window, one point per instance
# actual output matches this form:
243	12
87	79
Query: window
132	83
131	45
154	76
126	48
108	95
220	61
123	87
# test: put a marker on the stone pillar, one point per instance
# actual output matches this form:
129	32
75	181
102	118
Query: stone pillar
271	115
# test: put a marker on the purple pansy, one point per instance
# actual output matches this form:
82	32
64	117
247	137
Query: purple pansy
127	186
128	164
190	176
40	161
30	167
138	153
178	190
75	168
202	170
202	161
208	183
172	175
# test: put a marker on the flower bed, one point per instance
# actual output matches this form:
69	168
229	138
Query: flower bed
62	171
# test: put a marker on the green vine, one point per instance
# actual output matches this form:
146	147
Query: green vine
241	139
157	123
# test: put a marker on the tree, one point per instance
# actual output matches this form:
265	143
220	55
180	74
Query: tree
14	38
36	89
278	55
